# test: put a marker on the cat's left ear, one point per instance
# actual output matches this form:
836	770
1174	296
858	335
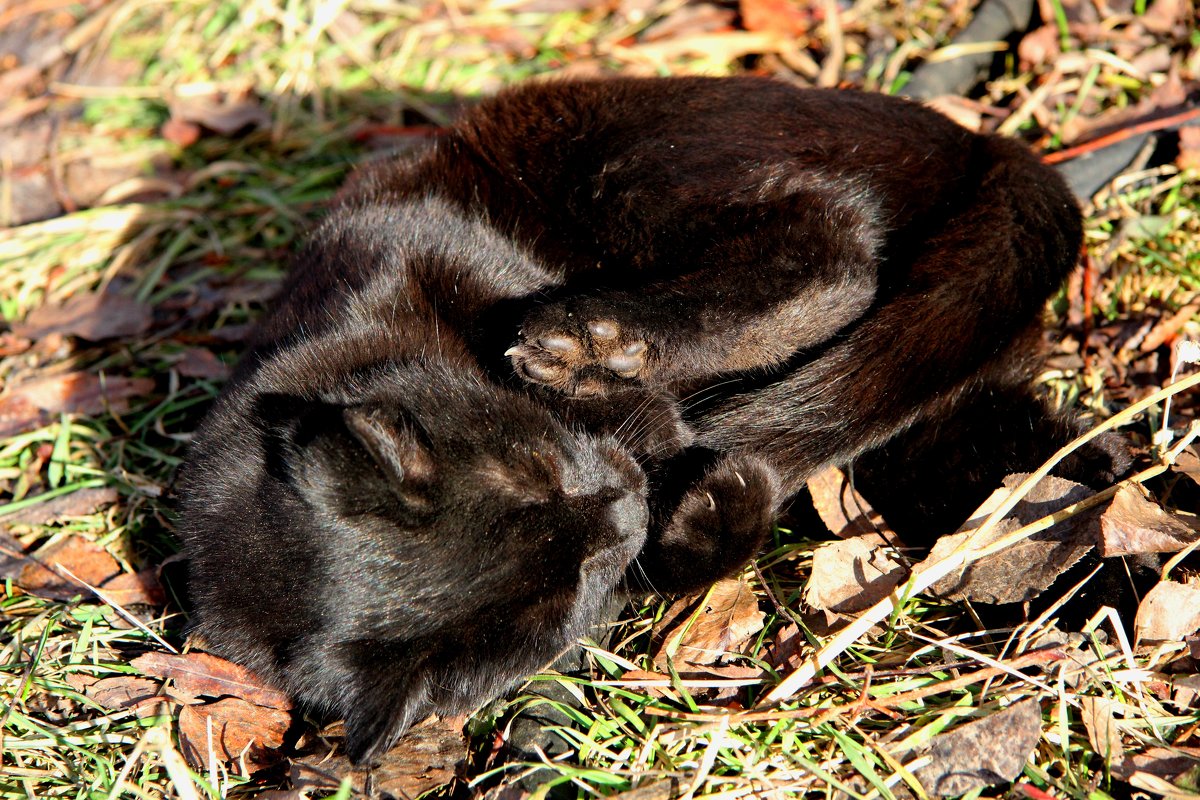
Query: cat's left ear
395	444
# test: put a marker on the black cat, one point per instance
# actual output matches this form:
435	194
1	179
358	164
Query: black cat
387	520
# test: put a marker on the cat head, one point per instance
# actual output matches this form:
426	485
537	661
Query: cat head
415	543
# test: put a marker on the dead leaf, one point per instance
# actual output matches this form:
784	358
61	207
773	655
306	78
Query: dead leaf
688	20
205	674
76	504
85	559
1022	571
137	588
225	115
728	616
785	651
12	345
1164	15
37	402
427	756
853	574
1101	725
123	691
1169	612
12	557
1188	462
180	132
1134	524
779	16
198	362
964	111
240	731
714	46
982	753
843	510
94	316
1039	47
1189	148
1160	761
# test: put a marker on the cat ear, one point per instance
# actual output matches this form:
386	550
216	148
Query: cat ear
394	445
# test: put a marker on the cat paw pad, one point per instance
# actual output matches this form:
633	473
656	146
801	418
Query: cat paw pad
579	359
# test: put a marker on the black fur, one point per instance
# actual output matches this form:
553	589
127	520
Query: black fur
387	516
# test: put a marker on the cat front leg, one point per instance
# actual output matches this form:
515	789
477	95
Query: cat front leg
774	279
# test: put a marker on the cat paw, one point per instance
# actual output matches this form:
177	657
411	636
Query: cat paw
577	353
733	506
719	524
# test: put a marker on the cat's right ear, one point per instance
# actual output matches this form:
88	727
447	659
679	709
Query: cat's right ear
394	444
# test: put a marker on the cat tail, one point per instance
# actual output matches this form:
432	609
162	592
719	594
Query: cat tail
389	700
958	317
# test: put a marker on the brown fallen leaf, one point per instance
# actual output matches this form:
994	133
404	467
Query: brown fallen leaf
1020	572
427	756
727	616
12	345
92	316
1099	720
135	588
1188	462
76	504
123	691
843	510
853	574
226	115
779	16
12	557
714	46
198	362
85	559
1168	613
241	733
180	132
1189	148
982	753
39	401
1134	524
1160	761
785	651
208	675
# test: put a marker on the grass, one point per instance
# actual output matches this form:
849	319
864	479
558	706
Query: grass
202	233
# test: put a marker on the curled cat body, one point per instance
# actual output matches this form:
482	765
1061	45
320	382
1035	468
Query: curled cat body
455	435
